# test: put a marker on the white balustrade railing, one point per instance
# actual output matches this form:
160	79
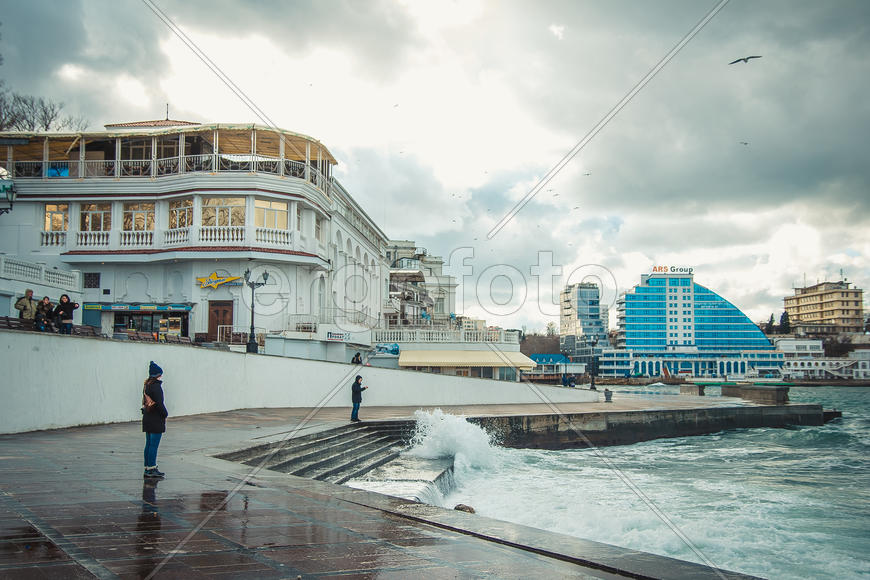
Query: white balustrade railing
176	236
92	239
38	274
274	237
221	234
446	335
137	239
53	239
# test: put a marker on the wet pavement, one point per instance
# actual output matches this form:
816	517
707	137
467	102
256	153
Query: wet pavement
74	504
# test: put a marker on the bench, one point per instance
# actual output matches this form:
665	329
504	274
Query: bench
10	323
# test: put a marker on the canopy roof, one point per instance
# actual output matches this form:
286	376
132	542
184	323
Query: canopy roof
232	138
465	358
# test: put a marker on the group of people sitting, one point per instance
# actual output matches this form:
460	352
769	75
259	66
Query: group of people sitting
46	316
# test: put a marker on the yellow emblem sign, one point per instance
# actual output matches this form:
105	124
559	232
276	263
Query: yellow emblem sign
213	280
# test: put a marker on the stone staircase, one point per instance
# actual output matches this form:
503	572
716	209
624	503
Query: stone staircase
336	455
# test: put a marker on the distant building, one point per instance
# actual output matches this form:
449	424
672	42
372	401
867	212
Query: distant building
669	326
828	308
583	321
420	294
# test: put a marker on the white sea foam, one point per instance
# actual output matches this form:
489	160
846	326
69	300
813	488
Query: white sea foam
440	434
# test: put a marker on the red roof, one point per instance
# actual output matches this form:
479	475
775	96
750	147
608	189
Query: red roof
157	123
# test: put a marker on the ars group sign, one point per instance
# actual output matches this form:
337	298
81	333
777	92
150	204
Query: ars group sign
672	270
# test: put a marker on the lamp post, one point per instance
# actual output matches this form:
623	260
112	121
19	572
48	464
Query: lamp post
594	370
7	190
252	341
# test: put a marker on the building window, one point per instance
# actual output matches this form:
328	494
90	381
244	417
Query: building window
298	218
96	217
138	217
223	211
92	280
270	214
318	229
56	217
136	149
180	213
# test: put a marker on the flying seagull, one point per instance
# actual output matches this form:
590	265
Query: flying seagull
744	59
744	142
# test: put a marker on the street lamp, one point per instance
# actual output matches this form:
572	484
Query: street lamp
252	341
7	191
594	370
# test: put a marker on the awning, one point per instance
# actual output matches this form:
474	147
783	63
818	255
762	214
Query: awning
464	358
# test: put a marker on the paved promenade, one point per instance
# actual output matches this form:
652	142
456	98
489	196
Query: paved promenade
73	504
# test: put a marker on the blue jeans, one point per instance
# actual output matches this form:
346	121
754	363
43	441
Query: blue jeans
354	415
66	327
152	442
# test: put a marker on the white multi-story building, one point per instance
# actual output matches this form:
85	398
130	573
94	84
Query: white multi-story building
163	218
420	293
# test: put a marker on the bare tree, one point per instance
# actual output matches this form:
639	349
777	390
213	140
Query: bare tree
28	113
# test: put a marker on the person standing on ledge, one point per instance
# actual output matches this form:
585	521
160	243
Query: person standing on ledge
154	415
356	360
26	306
356	397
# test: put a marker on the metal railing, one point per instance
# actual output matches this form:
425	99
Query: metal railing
205	163
237	335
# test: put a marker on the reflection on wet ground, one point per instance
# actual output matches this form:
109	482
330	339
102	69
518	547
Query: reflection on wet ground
73	504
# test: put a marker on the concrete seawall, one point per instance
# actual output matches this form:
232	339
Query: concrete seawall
555	431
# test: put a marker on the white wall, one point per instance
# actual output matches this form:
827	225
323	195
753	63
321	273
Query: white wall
52	381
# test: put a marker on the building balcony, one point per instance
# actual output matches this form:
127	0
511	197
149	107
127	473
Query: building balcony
32	273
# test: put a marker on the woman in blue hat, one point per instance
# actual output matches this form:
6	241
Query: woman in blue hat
154	415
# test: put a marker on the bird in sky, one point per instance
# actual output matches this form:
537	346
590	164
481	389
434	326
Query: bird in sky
744	59
744	142
587	173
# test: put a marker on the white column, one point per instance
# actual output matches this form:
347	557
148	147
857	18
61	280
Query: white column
153	157
281	154
117	157
180	153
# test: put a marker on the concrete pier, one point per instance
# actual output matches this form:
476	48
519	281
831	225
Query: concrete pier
73	503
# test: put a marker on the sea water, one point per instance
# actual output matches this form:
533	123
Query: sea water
777	503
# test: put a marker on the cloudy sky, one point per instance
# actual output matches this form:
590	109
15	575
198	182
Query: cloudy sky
444	115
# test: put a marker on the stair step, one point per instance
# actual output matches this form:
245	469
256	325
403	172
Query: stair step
311	468
354	463
361	470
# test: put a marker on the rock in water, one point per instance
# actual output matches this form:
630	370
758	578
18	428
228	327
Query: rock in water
464	508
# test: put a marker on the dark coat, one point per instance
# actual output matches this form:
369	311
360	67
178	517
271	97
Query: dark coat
154	421
64	310
356	391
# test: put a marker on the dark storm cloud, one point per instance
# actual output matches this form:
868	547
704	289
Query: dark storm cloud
676	145
109	39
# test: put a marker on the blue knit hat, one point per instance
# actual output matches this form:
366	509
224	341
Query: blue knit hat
154	370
